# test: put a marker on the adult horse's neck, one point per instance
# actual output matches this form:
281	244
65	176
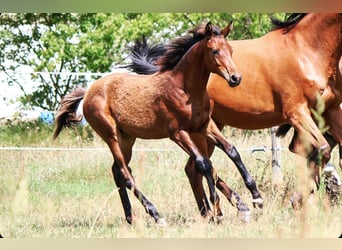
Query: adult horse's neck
192	70
322	33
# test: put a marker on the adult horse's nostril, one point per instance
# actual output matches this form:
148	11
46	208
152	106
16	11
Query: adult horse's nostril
234	80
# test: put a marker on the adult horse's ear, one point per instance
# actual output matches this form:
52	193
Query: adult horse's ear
208	30
225	31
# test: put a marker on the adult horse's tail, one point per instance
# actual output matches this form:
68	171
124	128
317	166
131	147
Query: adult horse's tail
283	129
144	57
67	114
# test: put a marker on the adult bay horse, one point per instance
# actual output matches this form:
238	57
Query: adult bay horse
284	71
287	69
173	103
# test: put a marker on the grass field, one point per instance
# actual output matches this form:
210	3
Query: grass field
71	193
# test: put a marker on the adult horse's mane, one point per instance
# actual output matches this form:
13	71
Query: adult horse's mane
178	47
290	22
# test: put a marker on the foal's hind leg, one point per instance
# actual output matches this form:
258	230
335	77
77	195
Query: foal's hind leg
122	175
119	181
121	147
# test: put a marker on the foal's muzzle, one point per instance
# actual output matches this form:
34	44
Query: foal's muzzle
234	80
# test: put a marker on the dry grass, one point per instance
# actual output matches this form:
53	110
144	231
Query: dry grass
58	194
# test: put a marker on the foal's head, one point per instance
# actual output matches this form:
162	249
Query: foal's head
220	54
217	54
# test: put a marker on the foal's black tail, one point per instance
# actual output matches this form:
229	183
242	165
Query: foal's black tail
66	115
144	57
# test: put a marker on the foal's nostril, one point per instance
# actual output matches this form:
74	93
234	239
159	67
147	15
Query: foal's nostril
235	80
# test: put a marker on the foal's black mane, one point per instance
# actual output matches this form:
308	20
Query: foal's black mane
144	56
290	21
178	47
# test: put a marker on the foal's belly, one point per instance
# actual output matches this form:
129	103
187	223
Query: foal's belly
142	123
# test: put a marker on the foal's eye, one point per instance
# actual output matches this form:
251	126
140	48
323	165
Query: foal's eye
216	52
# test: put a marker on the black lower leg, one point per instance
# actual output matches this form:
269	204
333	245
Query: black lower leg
234	155
314	163
149	207
118	178
204	167
242	207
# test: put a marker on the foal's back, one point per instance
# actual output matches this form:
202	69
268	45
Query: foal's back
131	101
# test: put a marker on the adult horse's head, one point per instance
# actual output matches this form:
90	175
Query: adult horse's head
220	56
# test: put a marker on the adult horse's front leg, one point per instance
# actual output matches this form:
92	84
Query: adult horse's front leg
333	119
308	134
216	137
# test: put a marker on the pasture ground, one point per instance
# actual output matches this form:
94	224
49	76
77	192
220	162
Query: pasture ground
71	193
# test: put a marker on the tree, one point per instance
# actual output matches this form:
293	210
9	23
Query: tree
92	42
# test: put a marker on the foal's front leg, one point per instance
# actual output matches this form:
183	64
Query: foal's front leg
203	166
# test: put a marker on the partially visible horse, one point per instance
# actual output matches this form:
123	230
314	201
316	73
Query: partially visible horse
284	72
173	103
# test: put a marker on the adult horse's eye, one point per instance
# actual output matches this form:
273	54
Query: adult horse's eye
216	52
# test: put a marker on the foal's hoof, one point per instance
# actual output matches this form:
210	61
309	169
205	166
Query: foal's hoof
216	219
161	222
245	216
258	203
296	201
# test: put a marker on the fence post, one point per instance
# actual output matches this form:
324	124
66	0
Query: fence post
276	171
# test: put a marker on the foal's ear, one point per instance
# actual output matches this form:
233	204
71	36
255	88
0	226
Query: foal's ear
208	30
225	31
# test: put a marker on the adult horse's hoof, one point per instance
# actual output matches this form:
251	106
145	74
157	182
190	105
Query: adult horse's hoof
333	183
258	203
245	216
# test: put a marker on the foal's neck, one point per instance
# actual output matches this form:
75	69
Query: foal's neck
192	70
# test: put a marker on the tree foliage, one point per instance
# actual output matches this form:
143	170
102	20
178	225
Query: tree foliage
92	42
